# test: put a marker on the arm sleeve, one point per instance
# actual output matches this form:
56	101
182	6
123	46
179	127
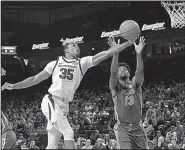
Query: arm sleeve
86	63
49	67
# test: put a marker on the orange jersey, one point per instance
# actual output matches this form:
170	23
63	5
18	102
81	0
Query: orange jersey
128	107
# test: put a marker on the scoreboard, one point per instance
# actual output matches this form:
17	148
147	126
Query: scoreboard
8	50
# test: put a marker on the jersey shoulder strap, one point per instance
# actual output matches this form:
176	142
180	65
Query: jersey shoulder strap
80	66
55	65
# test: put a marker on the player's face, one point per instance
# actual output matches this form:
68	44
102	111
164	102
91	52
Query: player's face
74	50
123	77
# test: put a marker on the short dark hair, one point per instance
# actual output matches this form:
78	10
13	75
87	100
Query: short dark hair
125	65
66	44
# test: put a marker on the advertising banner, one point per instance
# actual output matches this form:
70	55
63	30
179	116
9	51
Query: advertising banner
76	40
8	50
40	46
155	26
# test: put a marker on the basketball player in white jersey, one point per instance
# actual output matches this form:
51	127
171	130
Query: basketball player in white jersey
67	73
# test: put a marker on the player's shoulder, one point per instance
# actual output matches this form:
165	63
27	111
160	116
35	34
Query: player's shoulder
51	63
86	58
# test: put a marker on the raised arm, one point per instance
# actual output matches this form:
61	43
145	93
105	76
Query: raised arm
111	51
139	74
114	68
43	75
113	74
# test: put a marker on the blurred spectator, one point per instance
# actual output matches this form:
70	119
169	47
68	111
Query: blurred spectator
87	145
179	131
175	114
23	146
172	135
113	144
99	144
33	146
92	116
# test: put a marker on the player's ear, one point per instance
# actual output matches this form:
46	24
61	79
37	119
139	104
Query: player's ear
66	50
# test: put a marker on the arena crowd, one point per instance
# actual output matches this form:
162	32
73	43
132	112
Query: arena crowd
92	116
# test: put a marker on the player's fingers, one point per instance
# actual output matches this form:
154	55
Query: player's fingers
109	40
113	39
143	39
140	39
118	41
3	87
7	83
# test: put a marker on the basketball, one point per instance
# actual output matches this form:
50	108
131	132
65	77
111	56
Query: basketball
129	29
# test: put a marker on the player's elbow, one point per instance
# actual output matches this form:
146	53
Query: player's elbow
36	80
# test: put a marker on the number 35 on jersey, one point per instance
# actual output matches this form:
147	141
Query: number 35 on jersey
66	73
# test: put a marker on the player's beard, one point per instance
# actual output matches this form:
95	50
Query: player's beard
78	55
125	83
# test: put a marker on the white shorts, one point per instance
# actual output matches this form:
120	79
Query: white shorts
56	119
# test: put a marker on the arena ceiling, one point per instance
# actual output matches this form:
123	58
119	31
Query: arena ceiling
42	4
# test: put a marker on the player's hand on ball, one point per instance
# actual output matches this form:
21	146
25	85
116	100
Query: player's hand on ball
140	46
112	42
7	86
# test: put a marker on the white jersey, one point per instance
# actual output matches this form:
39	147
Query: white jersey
67	75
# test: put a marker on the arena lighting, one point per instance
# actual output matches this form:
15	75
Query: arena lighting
40	46
76	40
115	33
155	26
170	49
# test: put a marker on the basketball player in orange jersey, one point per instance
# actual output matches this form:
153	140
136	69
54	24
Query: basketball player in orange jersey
127	97
67	73
8	137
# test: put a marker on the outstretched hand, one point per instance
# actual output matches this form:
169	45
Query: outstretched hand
112	42
7	86
140	46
